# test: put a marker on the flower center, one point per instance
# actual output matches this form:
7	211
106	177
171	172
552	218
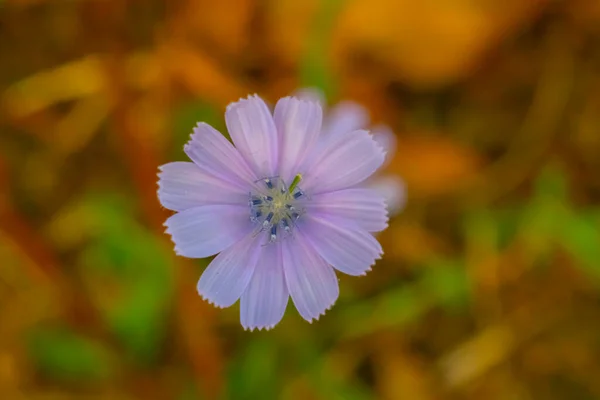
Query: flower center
275	208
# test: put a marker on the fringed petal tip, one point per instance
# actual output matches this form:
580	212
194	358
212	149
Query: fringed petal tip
387	221
242	100
251	328
315	319
199	129
311	94
161	174
211	302
382	150
307	101
379	257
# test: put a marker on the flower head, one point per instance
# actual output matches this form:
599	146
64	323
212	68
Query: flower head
283	209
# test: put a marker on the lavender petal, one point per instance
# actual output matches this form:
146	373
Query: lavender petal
385	137
228	275
352	252
392	189
265	299
253	131
203	231
182	185
312	283
344	118
342	162
298	124
215	156
352	208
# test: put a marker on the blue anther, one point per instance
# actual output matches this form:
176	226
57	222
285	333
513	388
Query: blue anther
256	215
299	193
255	202
268	198
286	225
273	233
268	219
268	183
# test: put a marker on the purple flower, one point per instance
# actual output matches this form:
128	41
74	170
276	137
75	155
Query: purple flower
283	208
347	117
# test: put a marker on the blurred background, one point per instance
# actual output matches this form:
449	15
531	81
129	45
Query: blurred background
490	285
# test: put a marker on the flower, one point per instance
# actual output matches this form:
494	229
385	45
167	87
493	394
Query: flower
347	117
282	209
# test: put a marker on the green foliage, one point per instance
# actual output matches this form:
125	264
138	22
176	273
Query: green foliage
134	260
186	116
62	354
552	221
447	282
580	236
251	376
315	69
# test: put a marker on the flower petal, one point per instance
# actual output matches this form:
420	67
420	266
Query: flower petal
393	190
182	185
215	156
311	94
298	124
352	208
228	275
252	129
385	137
310	280
345	117
264	301
203	231
352	252
341	162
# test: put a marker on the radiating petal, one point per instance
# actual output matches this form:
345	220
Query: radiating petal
352	252
344	161
253	131
298	124
228	275
352	208
393	190
264	301
203	231
215	156
345	117
312	94
182	185
385	137
310	280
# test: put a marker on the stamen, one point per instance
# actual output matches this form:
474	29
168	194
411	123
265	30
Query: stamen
286	225
295	182
254	217
274	209
267	220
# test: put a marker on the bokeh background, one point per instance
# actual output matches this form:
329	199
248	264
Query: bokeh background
489	288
